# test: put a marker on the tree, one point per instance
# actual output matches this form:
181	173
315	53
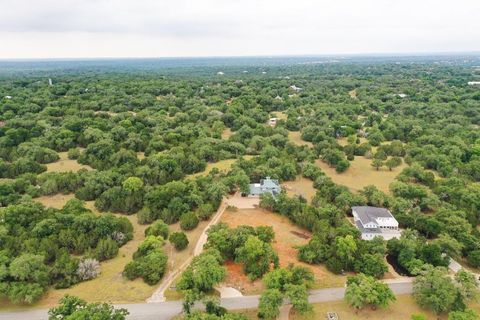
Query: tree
179	240
377	164
372	265
298	295
363	290
73	308
393	162
463	315
256	257
269	304
203	273
189	221
158	228
434	289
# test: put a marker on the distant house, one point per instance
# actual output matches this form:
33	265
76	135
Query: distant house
295	88
220	73
8	97
272	122
474	83
266	185
375	222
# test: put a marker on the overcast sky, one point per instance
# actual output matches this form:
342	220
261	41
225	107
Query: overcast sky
158	28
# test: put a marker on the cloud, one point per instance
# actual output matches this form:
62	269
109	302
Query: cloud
74	28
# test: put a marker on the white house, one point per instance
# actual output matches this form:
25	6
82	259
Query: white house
375	222
295	88
473	83
272	122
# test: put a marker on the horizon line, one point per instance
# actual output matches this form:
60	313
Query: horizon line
337	55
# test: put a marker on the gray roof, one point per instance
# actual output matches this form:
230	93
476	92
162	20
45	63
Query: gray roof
367	230
265	185
368	214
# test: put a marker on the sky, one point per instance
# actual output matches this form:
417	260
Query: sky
185	28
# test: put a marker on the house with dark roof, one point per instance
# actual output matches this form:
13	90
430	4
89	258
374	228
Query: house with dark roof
266	185
375	222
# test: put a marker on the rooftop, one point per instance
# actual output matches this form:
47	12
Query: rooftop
369	214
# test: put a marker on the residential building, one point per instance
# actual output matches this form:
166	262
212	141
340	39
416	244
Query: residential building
375	222
266	185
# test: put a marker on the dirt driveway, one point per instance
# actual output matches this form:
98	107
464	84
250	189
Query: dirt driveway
240	202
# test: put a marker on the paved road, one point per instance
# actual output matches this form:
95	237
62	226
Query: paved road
167	310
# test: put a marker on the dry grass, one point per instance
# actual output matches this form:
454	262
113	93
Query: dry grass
65	165
280	115
56	201
353	94
402	309
227	133
300	187
296	138
361	174
287	237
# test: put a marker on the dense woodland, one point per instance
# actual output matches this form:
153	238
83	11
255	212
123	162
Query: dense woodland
421	113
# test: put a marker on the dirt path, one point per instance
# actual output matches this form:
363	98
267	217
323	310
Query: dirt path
159	294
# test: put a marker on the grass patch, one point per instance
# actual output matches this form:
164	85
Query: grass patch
65	165
287	237
296	138
280	115
361	174
222	165
301	187
227	133
56	201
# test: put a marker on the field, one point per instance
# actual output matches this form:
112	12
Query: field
296	138
361	174
300	187
64	164
287	238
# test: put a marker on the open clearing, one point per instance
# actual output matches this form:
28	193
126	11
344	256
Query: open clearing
300	187
353	94
280	115
287	237
227	133
65	165
361	174
402	309
296	138
222	165
56	201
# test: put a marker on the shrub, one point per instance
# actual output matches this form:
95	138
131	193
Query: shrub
106	249
146	216
158	228
179	240
88	269
188	221
73	153
205	211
